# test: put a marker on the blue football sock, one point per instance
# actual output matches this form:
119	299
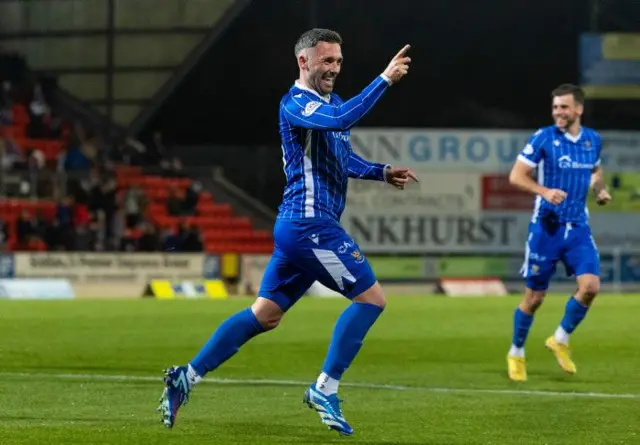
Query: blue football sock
574	313
521	325
349	332
226	341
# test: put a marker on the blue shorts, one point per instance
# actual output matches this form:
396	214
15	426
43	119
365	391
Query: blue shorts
313	250
550	242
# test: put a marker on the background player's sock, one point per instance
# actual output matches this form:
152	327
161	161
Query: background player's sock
516	351
521	325
349	332
226	340
574	313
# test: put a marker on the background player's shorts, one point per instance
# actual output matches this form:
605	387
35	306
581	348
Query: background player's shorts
313	250
549	243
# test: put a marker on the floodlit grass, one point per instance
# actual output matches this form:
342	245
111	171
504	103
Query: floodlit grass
446	354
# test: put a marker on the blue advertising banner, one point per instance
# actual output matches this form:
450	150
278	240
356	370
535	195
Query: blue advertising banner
610	65
7	266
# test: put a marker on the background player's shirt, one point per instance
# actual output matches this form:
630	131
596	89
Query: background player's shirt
564	163
316	152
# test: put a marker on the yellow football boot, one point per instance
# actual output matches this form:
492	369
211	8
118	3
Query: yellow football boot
562	353
517	368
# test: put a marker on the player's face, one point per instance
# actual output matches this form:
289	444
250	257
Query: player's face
323	66
566	111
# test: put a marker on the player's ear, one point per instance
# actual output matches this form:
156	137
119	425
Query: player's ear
303	61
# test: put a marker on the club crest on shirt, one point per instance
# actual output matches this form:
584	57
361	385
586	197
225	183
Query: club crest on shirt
311	108
357	256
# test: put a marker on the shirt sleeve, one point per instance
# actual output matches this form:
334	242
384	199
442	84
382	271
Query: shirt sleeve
598	141
362	169
318	115
532	153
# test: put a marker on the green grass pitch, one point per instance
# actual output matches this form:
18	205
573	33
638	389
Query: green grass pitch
88	372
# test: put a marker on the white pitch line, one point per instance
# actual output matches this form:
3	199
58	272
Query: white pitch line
267	382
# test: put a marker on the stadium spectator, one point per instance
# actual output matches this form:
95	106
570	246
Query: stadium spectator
81	216
53	235
191	198
84	239
99	232
149	240
25	230
64	213
40	225
128	242
191	238
102	200
39	114
35	159
10	154
170	240
6	103
174	202
75	159
4	234
134	203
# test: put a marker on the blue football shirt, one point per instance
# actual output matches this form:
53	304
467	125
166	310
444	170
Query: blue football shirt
316	152
563	162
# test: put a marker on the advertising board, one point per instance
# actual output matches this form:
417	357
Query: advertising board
130	268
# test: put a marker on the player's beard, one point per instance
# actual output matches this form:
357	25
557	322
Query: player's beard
325	83
565	122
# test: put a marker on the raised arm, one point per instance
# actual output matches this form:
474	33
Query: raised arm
318	115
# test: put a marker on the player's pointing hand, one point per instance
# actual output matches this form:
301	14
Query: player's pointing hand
399	176
399	65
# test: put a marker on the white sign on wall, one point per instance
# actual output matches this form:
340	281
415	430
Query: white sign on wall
426	231
92	268
441	192
490	151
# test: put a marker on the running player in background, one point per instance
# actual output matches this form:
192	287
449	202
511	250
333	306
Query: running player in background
567	158
310	244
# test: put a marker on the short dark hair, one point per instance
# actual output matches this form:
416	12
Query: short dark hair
311	38
568	88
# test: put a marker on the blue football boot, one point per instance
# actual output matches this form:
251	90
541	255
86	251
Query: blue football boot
328	408
175	394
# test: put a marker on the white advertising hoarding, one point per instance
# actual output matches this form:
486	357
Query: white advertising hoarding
420	230
490	151
93	268
455	193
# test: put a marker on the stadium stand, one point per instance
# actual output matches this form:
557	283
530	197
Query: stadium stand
76	193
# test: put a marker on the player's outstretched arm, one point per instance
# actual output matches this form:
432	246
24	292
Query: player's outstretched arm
360	168
317	115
